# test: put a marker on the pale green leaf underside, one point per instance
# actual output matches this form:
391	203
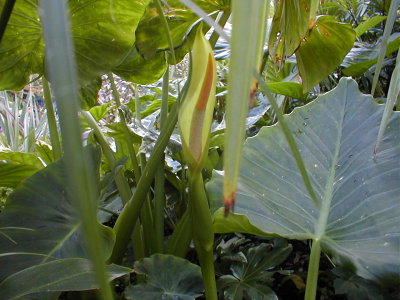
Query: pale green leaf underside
359	194
58	275
51	228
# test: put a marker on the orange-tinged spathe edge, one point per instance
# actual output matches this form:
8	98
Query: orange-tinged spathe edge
207	84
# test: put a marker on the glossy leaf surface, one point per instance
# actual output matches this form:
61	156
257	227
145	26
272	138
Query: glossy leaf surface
168	278
11	174
102	31
358	192
323	50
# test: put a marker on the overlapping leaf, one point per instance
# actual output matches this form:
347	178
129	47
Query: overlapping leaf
102	31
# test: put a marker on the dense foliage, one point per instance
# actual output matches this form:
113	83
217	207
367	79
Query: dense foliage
182	149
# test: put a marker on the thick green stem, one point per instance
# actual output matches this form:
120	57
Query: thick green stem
159	180
129	215
51	120
313	268
203	234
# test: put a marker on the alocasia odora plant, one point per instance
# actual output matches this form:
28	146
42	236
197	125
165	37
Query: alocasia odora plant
195	118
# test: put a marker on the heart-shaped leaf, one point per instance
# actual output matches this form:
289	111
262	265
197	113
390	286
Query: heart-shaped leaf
39	224
168	278
359	215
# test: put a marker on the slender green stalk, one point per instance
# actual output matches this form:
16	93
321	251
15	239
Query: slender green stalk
120	180
394	5
51	120
203	234
167	31
221	22
129	215
129	142
80	180
137	102
16	125
164	99
147	239
392	95
313	268
290	139
5	16
159	180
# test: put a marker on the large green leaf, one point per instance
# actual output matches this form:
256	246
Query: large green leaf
58	275
168	278
103	31
11	174
359	215
28	159
49	226
17	166
137	69
323	50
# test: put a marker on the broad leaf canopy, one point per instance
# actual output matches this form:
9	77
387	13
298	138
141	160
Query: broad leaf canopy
102	30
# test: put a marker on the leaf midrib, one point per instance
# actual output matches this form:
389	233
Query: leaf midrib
327	199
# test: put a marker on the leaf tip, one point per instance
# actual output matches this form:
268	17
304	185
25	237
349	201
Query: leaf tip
229	203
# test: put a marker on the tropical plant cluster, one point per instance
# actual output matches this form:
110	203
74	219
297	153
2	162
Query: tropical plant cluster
199	149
